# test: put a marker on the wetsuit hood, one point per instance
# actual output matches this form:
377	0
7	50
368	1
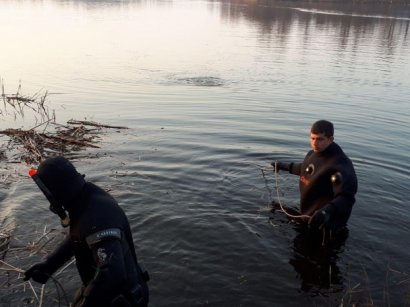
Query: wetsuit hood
60	182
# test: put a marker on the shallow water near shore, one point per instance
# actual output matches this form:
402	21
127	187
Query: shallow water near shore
213	91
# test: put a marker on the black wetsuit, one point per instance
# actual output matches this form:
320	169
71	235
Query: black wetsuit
99	238
327	179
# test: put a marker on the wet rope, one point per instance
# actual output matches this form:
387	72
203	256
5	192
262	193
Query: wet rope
284	210
296	216
59	287
60	291
278	197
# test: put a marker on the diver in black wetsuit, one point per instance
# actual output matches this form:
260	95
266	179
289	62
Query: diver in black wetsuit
328	182
99	238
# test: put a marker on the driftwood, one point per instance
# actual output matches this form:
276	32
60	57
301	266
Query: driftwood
47	138
34	146
56	139
94	124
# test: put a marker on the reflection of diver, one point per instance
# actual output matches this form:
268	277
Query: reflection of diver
315	255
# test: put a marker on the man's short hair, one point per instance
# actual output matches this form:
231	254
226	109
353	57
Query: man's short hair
323	126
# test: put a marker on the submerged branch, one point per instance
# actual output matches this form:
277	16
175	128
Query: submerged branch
94	124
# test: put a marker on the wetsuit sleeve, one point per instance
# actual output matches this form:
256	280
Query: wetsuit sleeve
295	168
110	274
59	256
344	189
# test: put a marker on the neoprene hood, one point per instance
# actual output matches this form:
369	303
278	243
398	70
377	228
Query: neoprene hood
60	182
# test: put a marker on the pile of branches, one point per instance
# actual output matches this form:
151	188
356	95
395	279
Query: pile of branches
34	145
47	138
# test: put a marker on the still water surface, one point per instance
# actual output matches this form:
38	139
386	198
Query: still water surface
211	92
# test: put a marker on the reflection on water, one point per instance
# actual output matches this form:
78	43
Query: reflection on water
315	260
347	23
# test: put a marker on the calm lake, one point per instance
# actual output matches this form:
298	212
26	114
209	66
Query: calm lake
213	91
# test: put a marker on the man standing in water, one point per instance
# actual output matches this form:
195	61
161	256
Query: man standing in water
328	182
100	239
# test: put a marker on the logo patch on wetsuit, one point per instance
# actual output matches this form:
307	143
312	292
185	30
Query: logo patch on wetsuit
102	255
304	180
111	233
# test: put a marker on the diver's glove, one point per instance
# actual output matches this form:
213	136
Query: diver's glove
277	165
38	272
322	218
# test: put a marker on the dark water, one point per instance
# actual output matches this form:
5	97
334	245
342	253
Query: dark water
212	91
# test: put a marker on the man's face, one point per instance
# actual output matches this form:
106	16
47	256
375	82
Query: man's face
319	142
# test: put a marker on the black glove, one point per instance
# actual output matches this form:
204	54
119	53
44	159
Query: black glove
322	218
38	272
277	165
